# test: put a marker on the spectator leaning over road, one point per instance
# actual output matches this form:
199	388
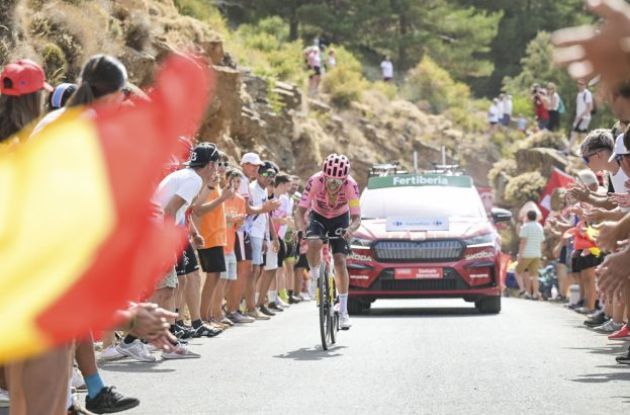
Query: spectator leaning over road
554	107
529	256
584	106
387	69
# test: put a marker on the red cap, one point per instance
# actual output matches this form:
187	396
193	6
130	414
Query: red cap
25	77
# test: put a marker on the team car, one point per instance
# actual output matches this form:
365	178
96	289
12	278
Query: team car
425	236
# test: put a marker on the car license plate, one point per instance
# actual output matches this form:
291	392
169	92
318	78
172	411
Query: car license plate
418	273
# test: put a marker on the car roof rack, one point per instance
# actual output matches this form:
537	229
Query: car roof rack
446	169
386	169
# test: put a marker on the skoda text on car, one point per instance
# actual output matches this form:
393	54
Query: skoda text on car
425	236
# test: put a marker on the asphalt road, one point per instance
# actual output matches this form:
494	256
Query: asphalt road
406	357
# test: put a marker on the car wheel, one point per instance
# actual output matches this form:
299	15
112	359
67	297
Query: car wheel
489	305
357	306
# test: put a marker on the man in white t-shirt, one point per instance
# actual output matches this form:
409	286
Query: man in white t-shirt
531	237
584	105
387	68
250	163
175	193
493	114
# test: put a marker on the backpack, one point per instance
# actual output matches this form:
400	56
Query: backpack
561	108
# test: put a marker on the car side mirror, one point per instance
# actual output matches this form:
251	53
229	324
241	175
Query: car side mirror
501	215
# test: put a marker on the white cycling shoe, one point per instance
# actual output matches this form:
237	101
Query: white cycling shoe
344	322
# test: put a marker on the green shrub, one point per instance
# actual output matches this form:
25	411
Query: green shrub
386	88
429	82
55	64
345	83
204	10
507	166
546	139
523	188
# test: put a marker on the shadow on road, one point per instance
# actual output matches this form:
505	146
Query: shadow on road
422	312
134	366
619	373
611	350
310	354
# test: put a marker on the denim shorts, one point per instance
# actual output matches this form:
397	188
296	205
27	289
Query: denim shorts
230	267
257	250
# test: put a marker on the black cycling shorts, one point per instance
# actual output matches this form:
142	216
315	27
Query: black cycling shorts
187	262
321	226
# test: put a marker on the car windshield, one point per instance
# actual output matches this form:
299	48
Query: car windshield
422	201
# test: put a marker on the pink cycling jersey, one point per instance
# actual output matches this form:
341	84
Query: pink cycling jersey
315	197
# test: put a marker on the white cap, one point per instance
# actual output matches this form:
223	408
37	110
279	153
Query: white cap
620	148
251	158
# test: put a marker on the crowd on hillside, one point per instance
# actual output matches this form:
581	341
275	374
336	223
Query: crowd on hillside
243	263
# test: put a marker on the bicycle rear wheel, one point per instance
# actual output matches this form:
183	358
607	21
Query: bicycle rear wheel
324	309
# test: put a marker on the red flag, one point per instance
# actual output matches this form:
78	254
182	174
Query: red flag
558	179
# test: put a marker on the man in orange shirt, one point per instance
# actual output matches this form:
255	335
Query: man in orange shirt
209	215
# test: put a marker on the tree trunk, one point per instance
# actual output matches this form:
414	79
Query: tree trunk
294	25
403	30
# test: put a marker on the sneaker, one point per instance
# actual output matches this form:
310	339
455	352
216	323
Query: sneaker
255	314
136	350
294	300
305	297
263	309
206	331
282	303
110	354
624	359
527	296
596	320
77	380
608	327
4	398
109	401
238	318
576	305
584	310
226	321
275	307
344	322
621	334
180	352
184	332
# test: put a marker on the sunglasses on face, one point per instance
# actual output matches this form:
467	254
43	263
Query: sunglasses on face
335	182
620	157
222	164
268	174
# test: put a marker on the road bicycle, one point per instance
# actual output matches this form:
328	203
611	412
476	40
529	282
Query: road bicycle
327	296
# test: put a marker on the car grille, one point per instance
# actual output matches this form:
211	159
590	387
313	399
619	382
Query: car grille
451	281
418	251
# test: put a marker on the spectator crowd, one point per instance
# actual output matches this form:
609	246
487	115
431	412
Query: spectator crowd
243	262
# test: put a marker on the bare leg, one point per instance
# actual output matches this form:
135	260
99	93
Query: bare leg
206	295
192	295
217	299
237	290
563	280
250	288
265	282
39	386
590	291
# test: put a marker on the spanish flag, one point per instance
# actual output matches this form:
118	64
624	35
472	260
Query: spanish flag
77	240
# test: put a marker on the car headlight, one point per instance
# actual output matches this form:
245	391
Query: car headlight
487	239
358	243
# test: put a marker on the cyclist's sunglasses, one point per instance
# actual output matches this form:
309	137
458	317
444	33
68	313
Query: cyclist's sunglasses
336	182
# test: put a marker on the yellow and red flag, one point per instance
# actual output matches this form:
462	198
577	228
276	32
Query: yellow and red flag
77	240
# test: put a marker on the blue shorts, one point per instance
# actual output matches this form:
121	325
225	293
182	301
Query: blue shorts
257	250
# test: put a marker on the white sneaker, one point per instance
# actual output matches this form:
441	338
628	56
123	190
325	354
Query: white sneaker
344	322
77	380
136	350
608	327
4	399
305	297
180	352
110	354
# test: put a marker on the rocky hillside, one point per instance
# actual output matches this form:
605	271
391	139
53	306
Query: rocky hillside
247	112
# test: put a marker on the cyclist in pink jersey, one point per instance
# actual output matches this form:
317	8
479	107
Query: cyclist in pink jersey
333	196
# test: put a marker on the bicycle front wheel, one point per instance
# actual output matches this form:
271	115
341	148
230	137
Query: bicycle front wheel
324	309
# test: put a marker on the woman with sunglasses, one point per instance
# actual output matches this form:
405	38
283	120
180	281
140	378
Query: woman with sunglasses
334	197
